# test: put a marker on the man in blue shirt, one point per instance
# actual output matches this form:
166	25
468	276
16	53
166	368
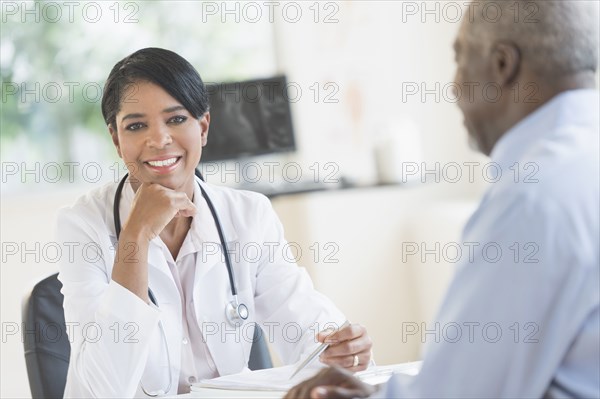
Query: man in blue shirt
540	287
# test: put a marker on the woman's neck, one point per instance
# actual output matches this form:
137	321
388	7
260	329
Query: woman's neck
174	234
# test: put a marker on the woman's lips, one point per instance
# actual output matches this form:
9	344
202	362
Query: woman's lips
163	166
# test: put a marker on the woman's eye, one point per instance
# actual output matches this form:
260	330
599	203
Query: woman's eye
178	119
135	126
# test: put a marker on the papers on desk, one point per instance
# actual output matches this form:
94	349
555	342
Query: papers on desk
275	379
278	379
380	374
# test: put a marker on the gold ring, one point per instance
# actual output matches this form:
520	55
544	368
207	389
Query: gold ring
356	361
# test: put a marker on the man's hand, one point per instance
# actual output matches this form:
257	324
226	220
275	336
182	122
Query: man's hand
331	383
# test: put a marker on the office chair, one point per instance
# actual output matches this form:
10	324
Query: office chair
45	340
47	348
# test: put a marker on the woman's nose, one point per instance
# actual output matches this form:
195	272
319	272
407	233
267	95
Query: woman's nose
159	137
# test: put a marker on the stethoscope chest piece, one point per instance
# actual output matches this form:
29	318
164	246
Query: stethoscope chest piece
235	312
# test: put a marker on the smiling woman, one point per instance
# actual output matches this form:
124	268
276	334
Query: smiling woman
142	139
172	253
157	137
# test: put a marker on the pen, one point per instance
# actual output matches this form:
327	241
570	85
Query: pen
320	349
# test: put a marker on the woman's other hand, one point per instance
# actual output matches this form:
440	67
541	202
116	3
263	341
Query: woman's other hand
349	347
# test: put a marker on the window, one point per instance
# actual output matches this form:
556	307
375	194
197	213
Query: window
55	57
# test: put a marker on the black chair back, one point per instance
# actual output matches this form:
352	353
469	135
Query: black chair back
46	343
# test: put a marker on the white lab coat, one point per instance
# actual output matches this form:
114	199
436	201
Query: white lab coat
115	336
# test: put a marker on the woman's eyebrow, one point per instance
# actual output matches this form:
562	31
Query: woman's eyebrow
175	108
165	111
132	116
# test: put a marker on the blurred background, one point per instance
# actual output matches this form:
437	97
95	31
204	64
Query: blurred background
387	177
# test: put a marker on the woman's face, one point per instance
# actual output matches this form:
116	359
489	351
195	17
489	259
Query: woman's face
157	138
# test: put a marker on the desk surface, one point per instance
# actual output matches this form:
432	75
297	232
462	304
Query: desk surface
226	393
372	375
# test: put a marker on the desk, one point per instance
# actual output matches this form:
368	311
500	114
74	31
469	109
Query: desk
374	375
230	394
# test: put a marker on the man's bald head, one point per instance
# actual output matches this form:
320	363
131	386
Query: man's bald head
555	38
528	52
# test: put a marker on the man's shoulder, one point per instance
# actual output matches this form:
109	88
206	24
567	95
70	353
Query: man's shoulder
567	166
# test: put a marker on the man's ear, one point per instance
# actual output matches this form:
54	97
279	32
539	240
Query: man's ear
204	124
115	139
506	63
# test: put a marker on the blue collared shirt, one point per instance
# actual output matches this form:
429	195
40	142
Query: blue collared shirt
521	317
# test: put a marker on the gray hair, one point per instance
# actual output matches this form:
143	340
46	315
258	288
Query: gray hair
555	37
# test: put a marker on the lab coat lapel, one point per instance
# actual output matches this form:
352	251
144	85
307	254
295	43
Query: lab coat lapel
212	291
158	262
211	253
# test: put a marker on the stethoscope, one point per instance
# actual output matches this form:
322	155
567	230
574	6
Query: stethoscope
235	312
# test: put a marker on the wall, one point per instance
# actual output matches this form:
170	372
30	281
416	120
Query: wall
27	221
374	59
357	255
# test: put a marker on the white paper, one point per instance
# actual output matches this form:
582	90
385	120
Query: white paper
278	379
274	379
380	374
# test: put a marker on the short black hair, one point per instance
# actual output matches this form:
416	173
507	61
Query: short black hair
162	67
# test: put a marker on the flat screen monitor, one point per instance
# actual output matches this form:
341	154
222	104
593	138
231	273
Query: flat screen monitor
249	118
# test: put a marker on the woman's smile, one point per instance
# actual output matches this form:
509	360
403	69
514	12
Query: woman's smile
163	165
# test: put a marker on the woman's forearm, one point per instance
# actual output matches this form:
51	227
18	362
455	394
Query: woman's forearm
131	262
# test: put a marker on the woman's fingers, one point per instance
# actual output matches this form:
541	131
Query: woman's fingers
185	207
349	347
347	333
356	362
154	206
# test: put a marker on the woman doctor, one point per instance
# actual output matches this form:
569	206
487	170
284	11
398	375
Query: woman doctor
150	304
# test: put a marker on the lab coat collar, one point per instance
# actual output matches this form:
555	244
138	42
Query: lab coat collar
203	234
222	208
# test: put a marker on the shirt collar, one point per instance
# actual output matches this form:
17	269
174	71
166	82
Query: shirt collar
569	107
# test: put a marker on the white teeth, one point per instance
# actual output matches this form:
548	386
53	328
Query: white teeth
165	162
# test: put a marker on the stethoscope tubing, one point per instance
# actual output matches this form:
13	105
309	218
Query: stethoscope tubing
230	272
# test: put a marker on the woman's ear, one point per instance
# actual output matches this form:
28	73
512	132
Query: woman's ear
115	139
204	124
